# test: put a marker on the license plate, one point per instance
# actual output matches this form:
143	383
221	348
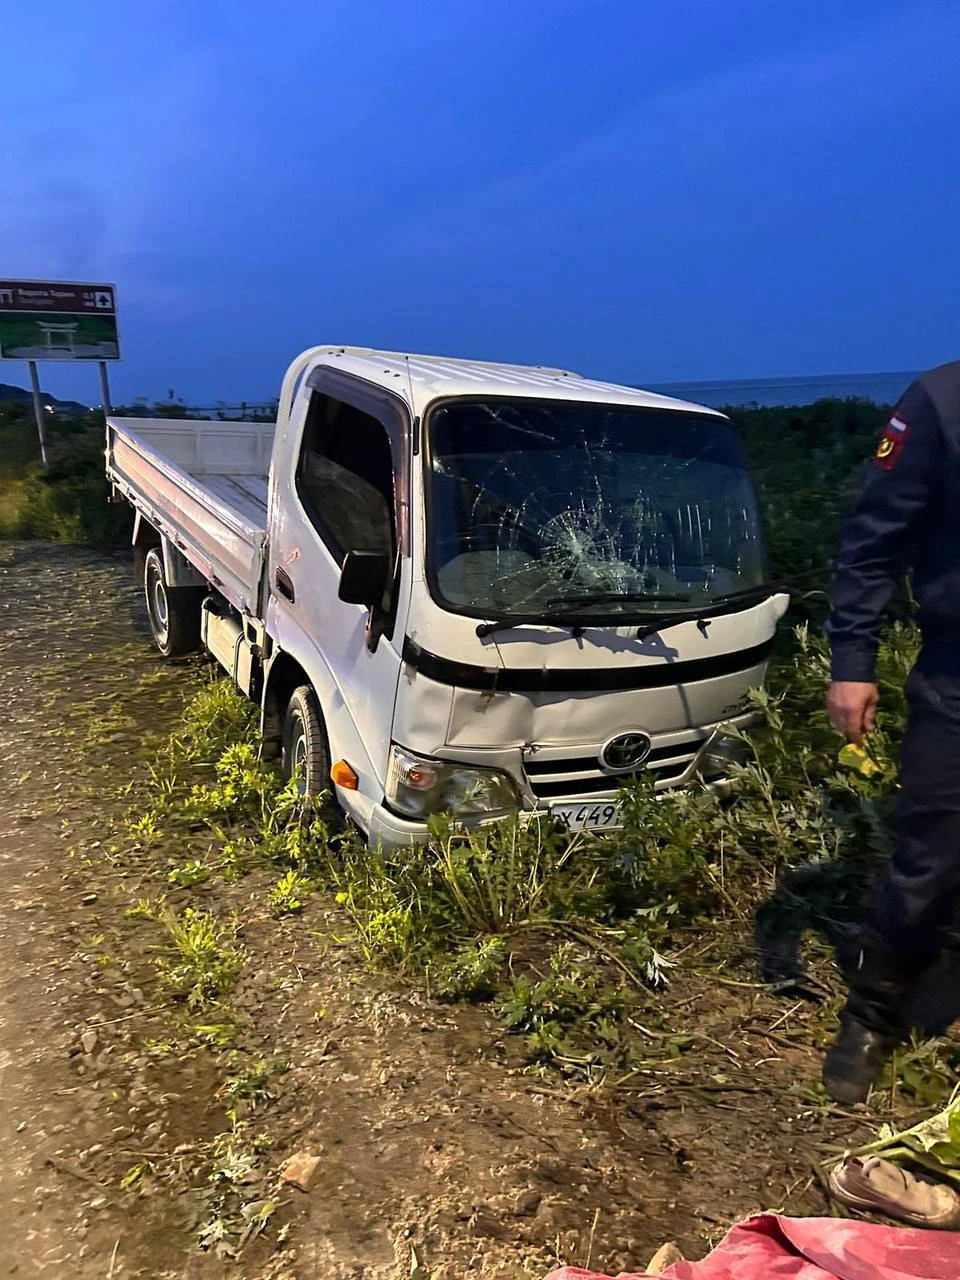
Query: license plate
602	815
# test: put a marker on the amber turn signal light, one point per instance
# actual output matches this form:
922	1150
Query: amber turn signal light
344	776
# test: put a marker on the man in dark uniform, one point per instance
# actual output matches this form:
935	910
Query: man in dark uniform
908	517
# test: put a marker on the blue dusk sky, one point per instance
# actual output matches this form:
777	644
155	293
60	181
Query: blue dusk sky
642	190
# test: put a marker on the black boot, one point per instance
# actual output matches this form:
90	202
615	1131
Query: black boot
855	1060
872	1021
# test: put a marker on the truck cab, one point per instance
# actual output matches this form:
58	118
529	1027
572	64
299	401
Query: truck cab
473	588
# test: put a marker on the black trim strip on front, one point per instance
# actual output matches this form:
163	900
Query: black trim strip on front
570	764
465	675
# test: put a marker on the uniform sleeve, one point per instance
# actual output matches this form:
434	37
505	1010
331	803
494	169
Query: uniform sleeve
876	542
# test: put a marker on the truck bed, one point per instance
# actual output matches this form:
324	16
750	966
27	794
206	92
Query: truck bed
203	484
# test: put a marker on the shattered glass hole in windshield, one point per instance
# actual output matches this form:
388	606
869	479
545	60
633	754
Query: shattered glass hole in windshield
532	503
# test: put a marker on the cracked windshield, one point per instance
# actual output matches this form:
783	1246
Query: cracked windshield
539	505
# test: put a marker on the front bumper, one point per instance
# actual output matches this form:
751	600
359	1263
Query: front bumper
388	831
677	766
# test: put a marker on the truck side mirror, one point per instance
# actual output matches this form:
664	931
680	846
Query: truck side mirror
363	578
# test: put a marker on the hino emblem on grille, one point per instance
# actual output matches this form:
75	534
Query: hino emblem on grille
624	752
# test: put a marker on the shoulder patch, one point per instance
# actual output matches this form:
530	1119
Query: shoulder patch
891	443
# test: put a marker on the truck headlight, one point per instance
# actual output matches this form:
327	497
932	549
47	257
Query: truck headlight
418	786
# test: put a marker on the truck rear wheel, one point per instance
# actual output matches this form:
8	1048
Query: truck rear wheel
306	752
173	612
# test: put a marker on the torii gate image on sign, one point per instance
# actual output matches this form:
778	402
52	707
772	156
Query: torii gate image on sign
66	332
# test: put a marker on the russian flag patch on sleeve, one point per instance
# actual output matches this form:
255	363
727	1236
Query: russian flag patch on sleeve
891	443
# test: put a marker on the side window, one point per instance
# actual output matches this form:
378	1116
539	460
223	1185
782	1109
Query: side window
345	478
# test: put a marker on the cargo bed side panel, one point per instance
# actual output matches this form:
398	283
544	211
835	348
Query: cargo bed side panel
217	522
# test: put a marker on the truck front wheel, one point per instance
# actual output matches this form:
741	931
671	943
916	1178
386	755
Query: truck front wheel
306	753
173	612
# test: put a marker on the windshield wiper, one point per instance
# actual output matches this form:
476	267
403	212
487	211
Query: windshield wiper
714	607
556	609
556	619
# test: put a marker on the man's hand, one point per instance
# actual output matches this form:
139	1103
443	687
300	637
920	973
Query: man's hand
853	705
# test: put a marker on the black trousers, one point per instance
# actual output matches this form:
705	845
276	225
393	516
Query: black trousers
915	900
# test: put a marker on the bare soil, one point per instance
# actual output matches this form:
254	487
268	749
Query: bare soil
437	1142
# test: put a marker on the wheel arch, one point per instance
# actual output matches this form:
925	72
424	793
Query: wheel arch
283	675
177	569
285	670
144	538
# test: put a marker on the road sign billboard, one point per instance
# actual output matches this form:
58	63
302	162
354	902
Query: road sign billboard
57	320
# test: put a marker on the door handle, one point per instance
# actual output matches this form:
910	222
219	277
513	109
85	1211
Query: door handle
285	585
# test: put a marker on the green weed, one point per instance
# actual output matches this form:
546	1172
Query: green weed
137	1174
287	895
926	1070
217	718
237	1211
146	828
250	1087
201	961
571	1015
472	973
190	873
245	789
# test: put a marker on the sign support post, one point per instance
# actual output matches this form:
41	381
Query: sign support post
104	389
38	411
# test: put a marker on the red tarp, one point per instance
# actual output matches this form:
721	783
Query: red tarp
771	1247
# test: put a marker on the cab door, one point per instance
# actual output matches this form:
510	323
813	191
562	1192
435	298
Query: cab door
344	491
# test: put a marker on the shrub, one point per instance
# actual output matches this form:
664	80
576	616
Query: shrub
66	501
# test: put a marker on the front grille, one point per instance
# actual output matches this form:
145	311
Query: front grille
582	775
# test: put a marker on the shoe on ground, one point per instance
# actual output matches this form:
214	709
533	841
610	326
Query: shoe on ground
873	1185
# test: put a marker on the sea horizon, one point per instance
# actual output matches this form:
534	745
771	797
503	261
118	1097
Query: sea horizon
717	393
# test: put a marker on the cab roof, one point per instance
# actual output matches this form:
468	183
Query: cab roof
420	379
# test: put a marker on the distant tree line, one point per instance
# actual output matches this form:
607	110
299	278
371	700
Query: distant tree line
807	462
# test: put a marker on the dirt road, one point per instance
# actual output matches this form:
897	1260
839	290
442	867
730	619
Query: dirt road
65	635
437	1144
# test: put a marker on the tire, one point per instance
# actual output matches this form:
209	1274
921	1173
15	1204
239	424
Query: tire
306	752
173	612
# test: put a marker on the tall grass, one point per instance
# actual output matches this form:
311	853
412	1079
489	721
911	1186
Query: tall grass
68	500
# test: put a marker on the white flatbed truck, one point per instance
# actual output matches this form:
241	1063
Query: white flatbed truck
460	586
